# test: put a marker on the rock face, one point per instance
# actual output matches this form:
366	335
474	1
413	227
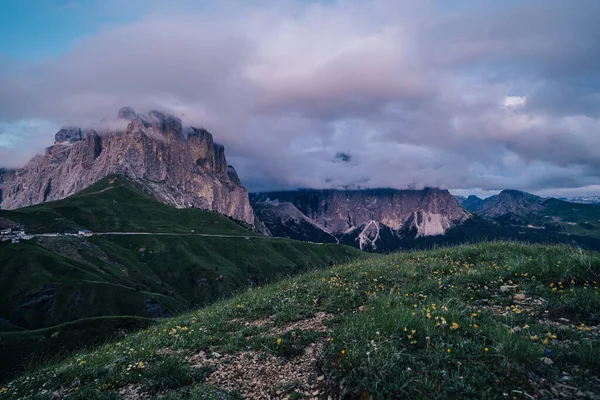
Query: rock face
181	167
68	135
283	219
366	218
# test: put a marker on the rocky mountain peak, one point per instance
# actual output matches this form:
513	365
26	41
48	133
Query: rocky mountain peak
156	124
68	135
517	194
514	202
182	169
201	133
232	174
127	113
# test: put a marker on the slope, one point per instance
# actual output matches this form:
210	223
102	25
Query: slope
478	321
118	204
51	280
573	218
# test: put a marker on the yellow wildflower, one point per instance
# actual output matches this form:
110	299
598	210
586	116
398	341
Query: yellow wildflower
343	352
278	341
454	326
486	349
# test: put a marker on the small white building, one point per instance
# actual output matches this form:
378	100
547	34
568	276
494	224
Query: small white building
85	233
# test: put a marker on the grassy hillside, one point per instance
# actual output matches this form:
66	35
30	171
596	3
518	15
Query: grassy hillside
32	349
51	280
433	324
576	219
55	280
117	204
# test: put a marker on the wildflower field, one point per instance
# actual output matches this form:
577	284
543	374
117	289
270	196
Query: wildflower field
492	320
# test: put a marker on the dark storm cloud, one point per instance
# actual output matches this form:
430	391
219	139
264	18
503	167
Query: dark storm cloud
482	99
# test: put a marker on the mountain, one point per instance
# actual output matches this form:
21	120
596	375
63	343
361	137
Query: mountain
157	261
283	219
528	213
387	220
510	202
373	219
179	166
582	199
471	203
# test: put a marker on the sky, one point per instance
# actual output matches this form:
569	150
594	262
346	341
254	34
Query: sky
470	96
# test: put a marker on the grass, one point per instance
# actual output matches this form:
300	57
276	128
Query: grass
111	276
410	325
119	275
32	349
47	282
116	204
577	219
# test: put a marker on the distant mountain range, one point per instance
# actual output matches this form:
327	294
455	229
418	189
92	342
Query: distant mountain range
520	210
377	219
386	220
583	199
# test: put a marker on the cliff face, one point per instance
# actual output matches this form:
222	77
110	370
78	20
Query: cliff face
368	217
181	167
283	219
341	210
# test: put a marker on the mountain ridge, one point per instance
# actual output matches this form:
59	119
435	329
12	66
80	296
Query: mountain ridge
358	217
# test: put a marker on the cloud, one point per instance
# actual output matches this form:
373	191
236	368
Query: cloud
17	141
514	101
485	98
